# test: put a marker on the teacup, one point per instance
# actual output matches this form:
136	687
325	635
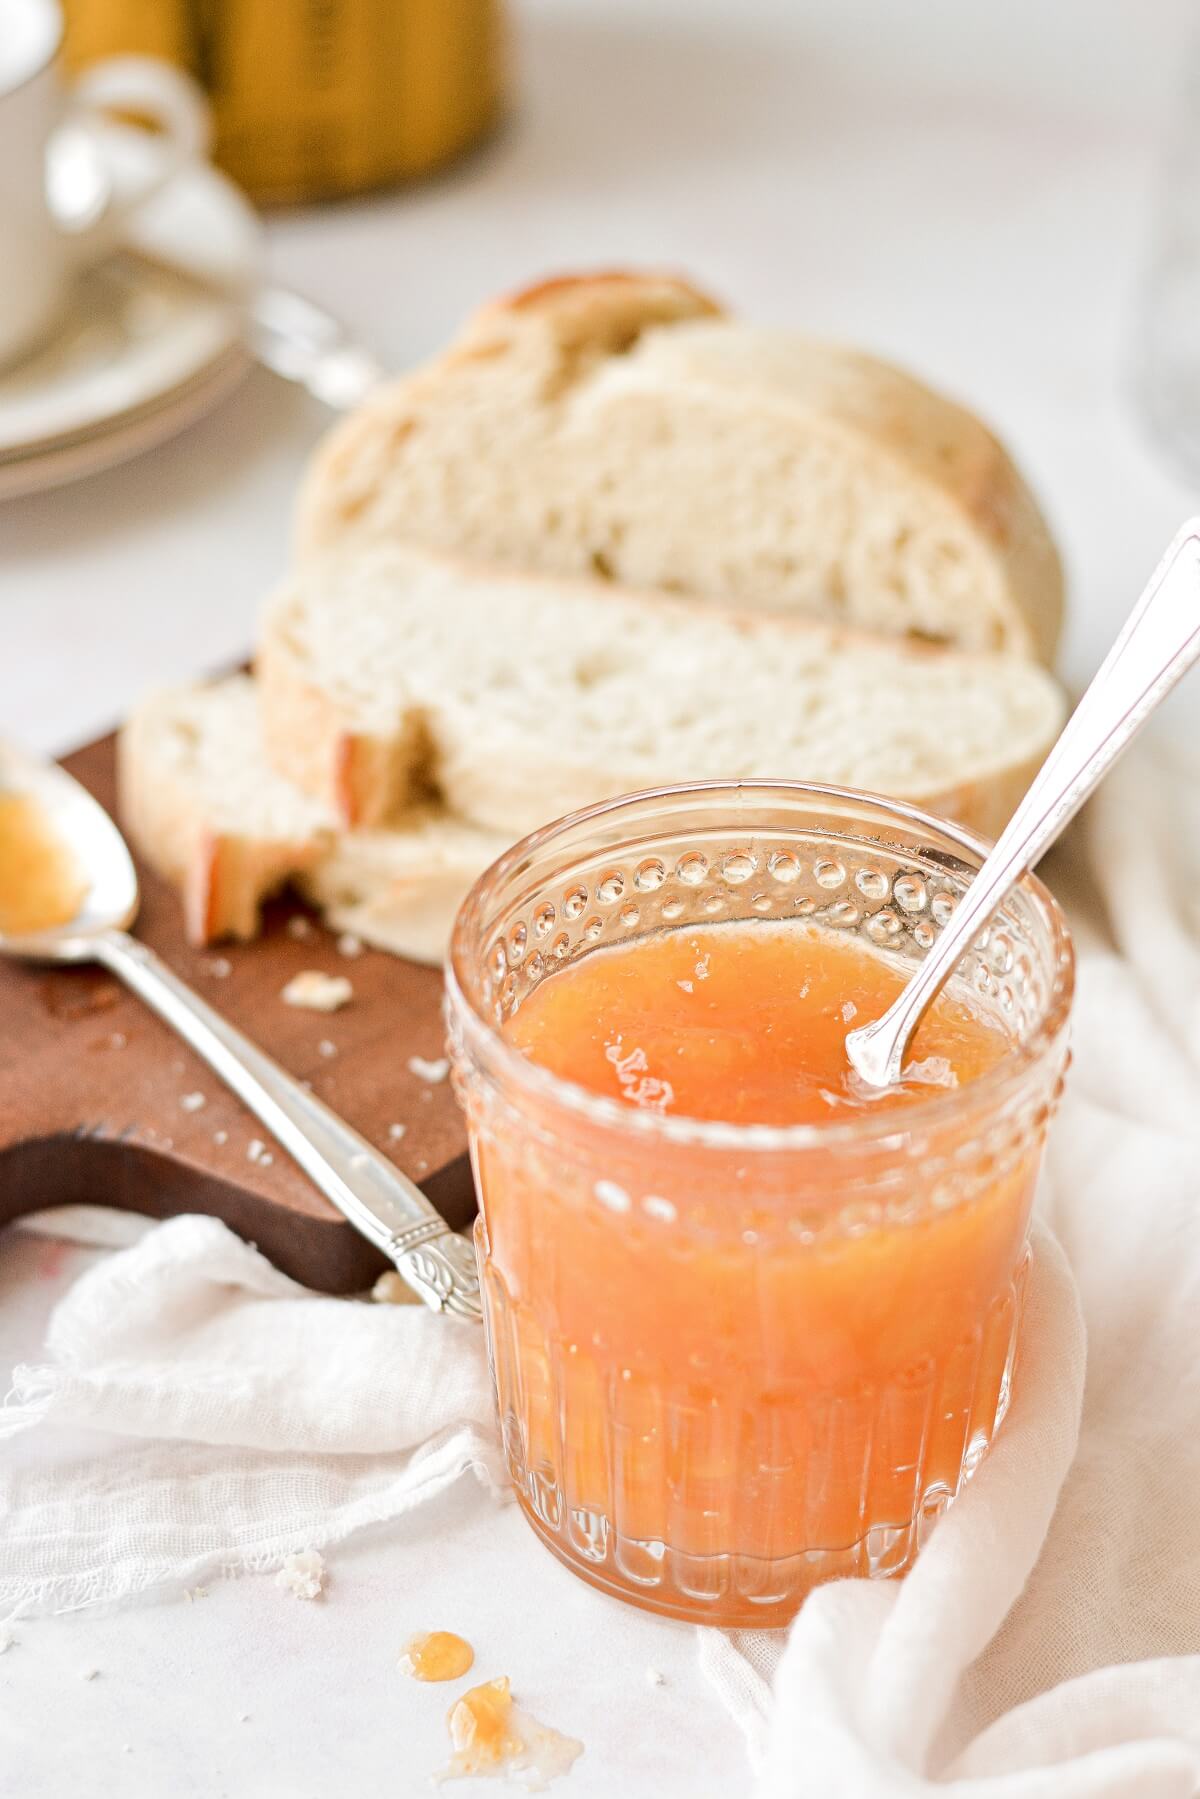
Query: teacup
61	206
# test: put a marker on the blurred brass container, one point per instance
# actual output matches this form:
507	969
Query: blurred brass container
315	98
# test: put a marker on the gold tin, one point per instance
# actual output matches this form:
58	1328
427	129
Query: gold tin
316	98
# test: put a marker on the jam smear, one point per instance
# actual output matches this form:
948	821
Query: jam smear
491	1735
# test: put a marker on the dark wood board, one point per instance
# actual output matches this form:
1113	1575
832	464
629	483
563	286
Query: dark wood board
92	1084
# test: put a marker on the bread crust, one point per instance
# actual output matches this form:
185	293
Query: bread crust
923	436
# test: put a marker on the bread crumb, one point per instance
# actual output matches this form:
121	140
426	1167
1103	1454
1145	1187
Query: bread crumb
192	1102
655	1677
349	945
326	1048
259	1153
7	1639
396	1132
702	968
303	1575
88	1673
316	992
422	1165
299	927
220	967
117	1040
220	1137
849	1011
429	1071
193	1593
688	986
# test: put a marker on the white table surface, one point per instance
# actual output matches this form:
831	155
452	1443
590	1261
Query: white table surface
964	188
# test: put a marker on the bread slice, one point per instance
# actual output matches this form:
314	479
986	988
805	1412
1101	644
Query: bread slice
198	800
204	808
620	426
392	673
400	889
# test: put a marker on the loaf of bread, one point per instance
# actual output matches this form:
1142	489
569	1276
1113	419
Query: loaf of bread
621	427
390	674
610	538
203	807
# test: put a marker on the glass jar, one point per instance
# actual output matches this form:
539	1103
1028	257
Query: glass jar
731	1361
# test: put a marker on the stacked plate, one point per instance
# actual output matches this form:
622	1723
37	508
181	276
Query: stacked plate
144	348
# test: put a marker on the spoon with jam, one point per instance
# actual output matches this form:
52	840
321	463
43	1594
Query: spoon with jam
69	893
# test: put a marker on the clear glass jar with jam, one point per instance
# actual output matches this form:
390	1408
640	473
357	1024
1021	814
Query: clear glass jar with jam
750	1326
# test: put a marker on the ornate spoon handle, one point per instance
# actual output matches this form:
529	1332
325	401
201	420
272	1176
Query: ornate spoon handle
364	1185
1157	645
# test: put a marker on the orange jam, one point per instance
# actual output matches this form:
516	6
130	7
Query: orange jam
743	1023
481	1729
436	1655
728	1368
491	1735
41	885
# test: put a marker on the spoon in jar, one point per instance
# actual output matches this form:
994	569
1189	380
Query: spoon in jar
1156	647
74	896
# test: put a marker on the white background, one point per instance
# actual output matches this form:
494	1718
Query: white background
965	188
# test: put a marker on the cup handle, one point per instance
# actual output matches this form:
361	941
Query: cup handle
90	200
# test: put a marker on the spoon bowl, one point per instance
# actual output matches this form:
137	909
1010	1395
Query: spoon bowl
111	899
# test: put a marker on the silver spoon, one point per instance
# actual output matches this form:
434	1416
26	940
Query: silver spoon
366	1188
1157	645
289	334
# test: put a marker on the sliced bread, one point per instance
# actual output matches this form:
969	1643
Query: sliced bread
391	674
620	426
400	889
204	808
199	801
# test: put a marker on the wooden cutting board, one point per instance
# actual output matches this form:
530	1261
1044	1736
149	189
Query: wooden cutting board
97	1096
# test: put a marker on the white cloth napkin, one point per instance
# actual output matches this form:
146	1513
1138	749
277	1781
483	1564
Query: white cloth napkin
237	1418
1046	1641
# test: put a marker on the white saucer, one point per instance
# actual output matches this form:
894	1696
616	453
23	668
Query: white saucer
118	440
142	351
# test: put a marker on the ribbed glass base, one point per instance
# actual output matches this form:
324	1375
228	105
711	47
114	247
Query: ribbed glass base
775	1483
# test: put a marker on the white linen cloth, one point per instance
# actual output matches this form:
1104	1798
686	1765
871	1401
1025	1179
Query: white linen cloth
1045	1643
243	1418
